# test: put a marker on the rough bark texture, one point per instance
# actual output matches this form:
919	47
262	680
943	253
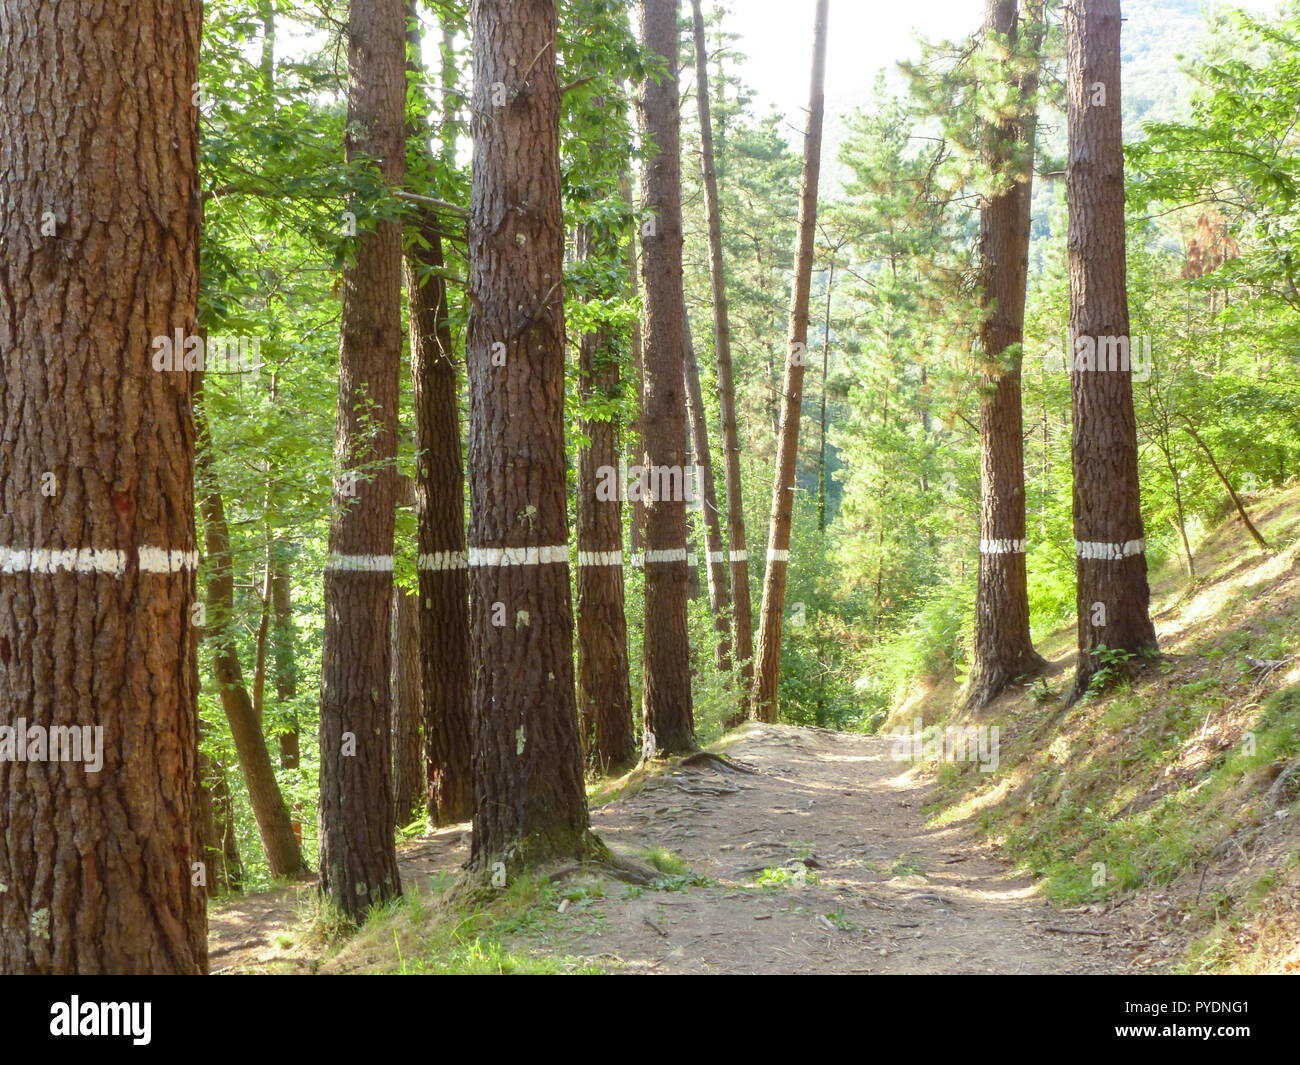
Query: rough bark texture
604	690
1107	502
668	720
529	797
99	140
635	443
739	557
440	497
1003	647
283	854
408	753
715	559
768	669
358	863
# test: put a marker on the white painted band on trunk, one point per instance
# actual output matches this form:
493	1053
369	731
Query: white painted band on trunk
676	554
636	561
94	560
773	555
1003	547
443	560
717	556
740	556
600	558
1089	549
518	556
163	560
360	563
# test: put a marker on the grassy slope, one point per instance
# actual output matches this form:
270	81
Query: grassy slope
1164	781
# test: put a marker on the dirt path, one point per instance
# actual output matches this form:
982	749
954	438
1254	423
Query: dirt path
879	892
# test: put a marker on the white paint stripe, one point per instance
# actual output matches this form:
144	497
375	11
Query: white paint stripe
1090	549
740	556
443	560
636	561
518	556
600	558
1003	547
675	554
717	556
773	555
161	560
360	563
74	560
94	560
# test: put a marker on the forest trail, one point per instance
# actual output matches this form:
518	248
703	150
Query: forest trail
883	893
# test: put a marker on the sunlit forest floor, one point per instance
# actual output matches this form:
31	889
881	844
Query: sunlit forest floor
1151	828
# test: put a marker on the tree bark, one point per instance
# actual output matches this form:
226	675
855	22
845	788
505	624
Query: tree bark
668	719
530	803
408	753
358	863
778	545
99	226
739	557
1004	649
440	495
1113	595
604	691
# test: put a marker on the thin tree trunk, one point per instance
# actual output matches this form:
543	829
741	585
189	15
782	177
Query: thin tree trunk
821	440
530	803
1004	649
358	862
739	557
1113	594
440	493
636	439
719	597
604	691
1236	501
767	673
669	725
283	854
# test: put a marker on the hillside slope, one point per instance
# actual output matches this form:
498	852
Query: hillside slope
1169	804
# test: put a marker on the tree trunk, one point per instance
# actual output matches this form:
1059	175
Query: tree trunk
358	863
635	445
530	803
778	544
283	853
1004	649
604	692
719	598
440	495
282	649
408	753
668	720
1113	595
821	436
99	226
744	622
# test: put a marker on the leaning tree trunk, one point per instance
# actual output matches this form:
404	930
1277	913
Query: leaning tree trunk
1113	595
283	854
1004	649
440	493
739	557
787	453
99	226
358	863
604	691
530	803
668	720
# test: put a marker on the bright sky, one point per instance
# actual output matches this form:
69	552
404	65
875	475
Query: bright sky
865	35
